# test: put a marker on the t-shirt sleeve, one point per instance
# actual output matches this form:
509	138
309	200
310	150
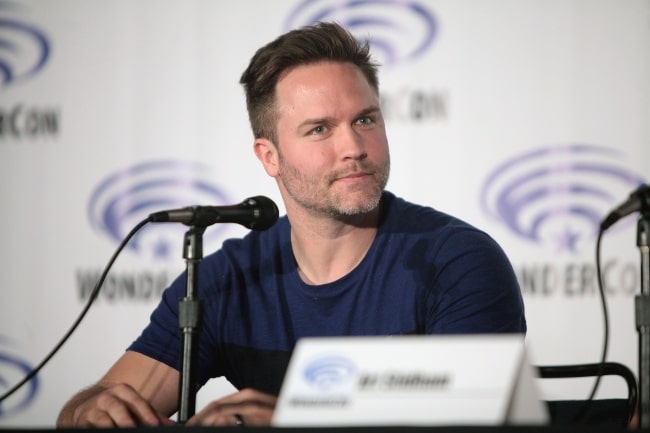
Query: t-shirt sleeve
160	339
475	288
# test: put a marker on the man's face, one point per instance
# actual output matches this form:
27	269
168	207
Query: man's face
332	145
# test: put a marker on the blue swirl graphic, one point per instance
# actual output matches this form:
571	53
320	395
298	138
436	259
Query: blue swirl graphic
573	184
128	196
399	31
18	369
24	48
326	372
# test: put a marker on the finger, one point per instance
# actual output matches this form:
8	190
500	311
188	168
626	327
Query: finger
211	419
250	413
165	421
143	411
106	410
127	408
95	419
247	395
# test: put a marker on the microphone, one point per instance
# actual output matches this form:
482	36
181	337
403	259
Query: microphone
639	200
255	213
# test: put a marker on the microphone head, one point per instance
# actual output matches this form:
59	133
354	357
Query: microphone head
265	212
643	194
255	213
638	201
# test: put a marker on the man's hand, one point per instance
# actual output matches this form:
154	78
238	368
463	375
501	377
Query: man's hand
247	407
114	406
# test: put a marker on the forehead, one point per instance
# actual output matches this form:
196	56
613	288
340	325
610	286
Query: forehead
323	83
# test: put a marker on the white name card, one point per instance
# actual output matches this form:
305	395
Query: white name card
409	381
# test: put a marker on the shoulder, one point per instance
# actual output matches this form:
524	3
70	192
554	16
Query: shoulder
426	235
402	216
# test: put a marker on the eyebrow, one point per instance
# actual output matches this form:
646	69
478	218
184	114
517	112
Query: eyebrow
370	110
319	120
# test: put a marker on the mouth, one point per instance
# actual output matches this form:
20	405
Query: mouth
354	177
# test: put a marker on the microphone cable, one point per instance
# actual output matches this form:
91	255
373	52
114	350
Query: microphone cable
81	316
603	358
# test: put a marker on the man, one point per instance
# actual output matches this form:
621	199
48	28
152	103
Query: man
348	259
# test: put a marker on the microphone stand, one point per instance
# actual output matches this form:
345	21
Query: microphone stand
642	310
189	318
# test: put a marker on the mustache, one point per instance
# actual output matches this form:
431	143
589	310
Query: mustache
356	167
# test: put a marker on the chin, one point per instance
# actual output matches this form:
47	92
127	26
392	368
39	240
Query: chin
361	207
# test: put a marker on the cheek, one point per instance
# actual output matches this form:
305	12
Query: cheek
309	159
378	146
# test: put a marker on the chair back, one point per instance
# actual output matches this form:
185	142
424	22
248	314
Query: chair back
605	411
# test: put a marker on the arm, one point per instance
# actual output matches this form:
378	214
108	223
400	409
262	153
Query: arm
137	390
477	290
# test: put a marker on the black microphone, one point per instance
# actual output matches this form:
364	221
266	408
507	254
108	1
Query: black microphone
255	213
639	200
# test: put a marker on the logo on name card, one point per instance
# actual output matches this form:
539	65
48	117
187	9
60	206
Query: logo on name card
558	195
13	369
330	371
24	46
127	196
398	31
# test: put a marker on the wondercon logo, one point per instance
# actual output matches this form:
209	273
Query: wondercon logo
13	369
24	48
398	30
558	195
329	371
128	196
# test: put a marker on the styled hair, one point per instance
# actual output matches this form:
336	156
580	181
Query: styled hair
303	46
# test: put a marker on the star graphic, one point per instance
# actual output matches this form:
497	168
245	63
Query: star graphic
567	240
161	249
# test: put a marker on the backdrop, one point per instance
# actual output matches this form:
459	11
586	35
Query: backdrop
527	118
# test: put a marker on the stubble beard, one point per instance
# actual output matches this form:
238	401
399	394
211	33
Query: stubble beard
318	196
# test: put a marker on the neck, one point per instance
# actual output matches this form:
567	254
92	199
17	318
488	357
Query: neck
327	249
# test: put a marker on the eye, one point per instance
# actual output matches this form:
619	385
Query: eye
319	130
366	121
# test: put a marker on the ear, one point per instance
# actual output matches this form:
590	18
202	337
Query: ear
267	153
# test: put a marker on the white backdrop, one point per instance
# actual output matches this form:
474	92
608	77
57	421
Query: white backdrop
528	118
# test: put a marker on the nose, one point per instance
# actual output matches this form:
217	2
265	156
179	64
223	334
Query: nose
351	144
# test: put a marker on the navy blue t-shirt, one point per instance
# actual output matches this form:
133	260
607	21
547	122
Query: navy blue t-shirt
425	273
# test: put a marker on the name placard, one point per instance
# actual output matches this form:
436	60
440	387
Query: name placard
409	381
